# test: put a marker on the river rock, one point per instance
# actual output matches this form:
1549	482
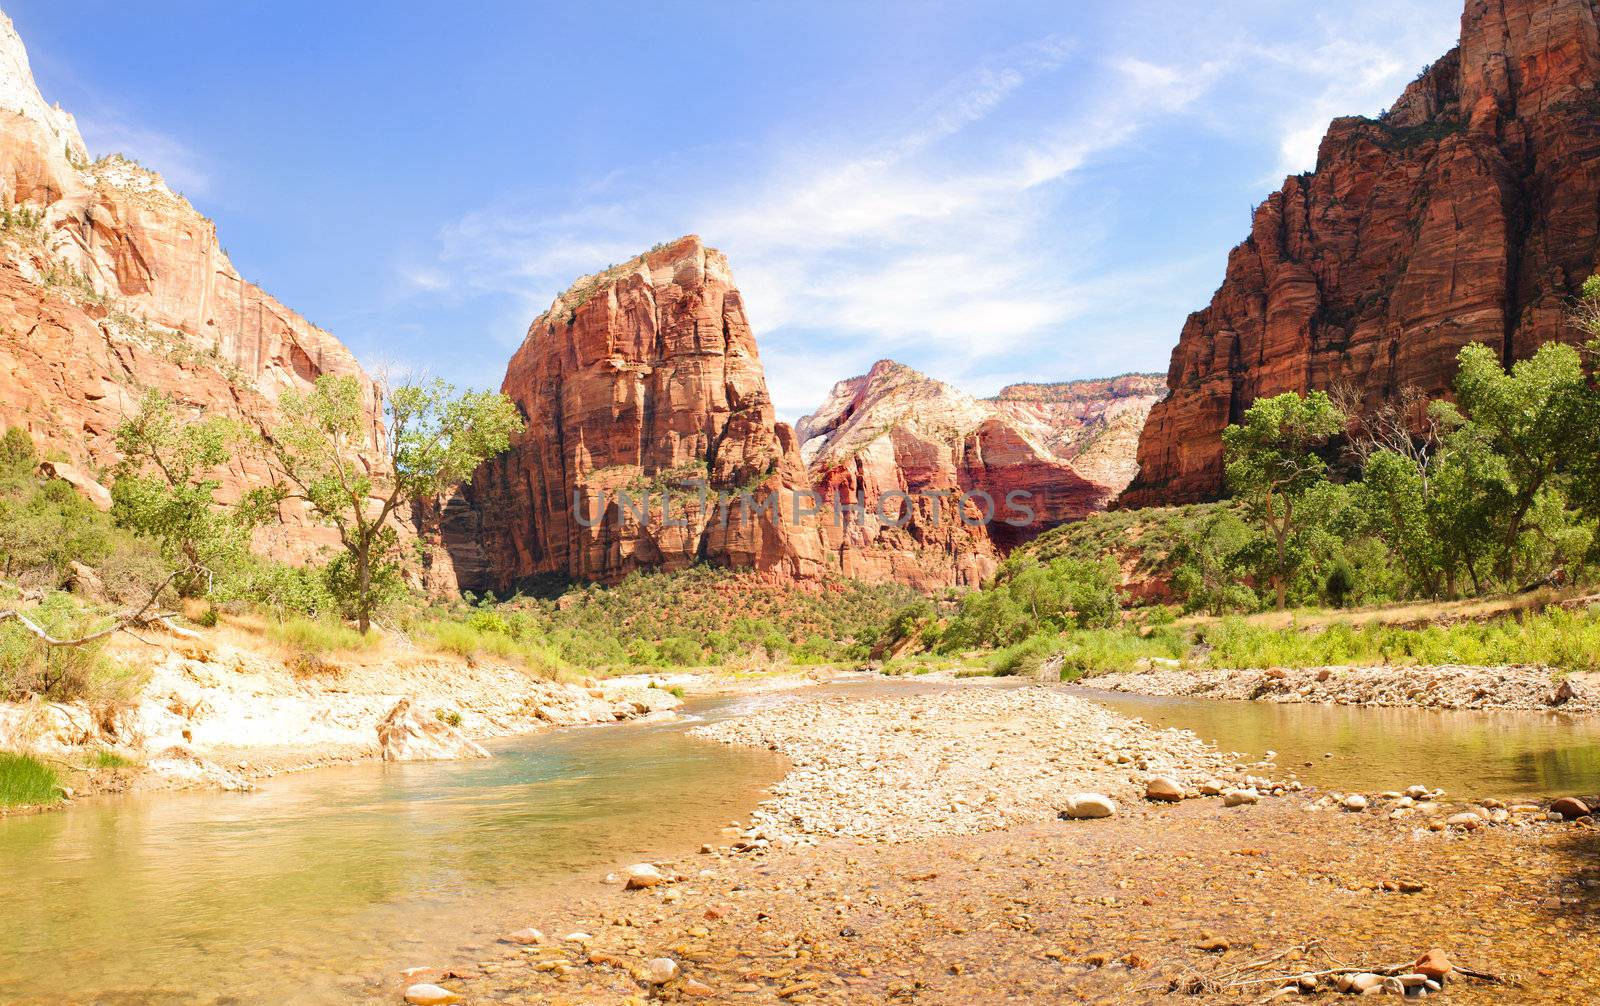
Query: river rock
642	875
1569	807
1089	805
430	995
1355	801
1466	819
1240	797
662	970
406	735
527	937
1163	788
1434	964
1211	787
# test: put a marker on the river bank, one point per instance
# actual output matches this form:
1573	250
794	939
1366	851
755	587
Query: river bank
1440	687
224	710
923	864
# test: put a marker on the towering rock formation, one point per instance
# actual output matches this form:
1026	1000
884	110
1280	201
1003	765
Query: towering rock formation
1467	213
644	379
110	284
914	448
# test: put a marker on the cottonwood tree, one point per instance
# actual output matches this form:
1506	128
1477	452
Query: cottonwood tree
1536	417
437	436
166	488
1272	462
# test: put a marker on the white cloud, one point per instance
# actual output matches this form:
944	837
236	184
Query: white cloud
962	241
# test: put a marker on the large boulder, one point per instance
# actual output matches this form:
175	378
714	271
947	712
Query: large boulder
407	735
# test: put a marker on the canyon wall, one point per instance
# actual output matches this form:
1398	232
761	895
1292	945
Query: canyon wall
1469	212
911	447
110	284
643	379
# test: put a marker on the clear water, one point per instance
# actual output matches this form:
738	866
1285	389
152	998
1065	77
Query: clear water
308	889
1469	754
324	879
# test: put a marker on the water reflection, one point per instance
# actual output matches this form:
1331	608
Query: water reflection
1470	754
329	875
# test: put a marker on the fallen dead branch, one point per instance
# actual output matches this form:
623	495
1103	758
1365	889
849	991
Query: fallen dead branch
1256	974
141	617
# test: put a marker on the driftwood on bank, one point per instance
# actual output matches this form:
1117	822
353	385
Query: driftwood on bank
142	617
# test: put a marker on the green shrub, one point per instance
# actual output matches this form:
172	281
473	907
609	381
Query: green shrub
61	673
104	759
26	781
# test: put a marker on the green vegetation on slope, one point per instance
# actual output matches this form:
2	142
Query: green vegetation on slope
27	782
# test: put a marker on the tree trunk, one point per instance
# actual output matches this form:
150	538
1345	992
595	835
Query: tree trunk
363	591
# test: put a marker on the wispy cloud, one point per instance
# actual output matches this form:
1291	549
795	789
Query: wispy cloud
963	240
183	168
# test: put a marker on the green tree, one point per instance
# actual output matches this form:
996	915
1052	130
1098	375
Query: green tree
436	438
1272	463
1537	418
166	488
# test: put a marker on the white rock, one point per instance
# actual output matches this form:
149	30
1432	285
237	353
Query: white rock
527	937
1163	788
1089	805
1239	797
430	995
662	970
1355	801
643	875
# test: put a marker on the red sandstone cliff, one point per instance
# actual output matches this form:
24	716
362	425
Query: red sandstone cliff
1467	213
1068	448
110	284
642	378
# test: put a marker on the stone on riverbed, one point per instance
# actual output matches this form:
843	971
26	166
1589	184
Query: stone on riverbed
1355	801
1240	797
1163	788
527	937
662	970
1434	965
642	875
1089	805
1569	807
430	995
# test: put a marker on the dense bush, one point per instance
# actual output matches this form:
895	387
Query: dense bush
61	673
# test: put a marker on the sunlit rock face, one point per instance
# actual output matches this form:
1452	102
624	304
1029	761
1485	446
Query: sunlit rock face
914	448
642	379
111	283
1469	212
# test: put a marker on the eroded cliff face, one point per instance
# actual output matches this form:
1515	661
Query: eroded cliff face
643	379
1468	213
918	452
110	284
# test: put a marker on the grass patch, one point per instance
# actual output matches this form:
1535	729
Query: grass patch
26	781
1557	638
108	760
314	637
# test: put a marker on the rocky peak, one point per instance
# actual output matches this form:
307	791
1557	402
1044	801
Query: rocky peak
19	94
643	378
1470	212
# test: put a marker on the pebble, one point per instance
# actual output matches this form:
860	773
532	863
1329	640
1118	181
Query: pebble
430	995
1090	805
643	875
1163	788
1355	801
1240	797
1434	964
1569	807
662	970
527	937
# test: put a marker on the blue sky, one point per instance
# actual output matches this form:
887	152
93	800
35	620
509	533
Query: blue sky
989	192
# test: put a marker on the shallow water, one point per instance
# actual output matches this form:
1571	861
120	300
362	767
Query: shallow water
1470	754
324	878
